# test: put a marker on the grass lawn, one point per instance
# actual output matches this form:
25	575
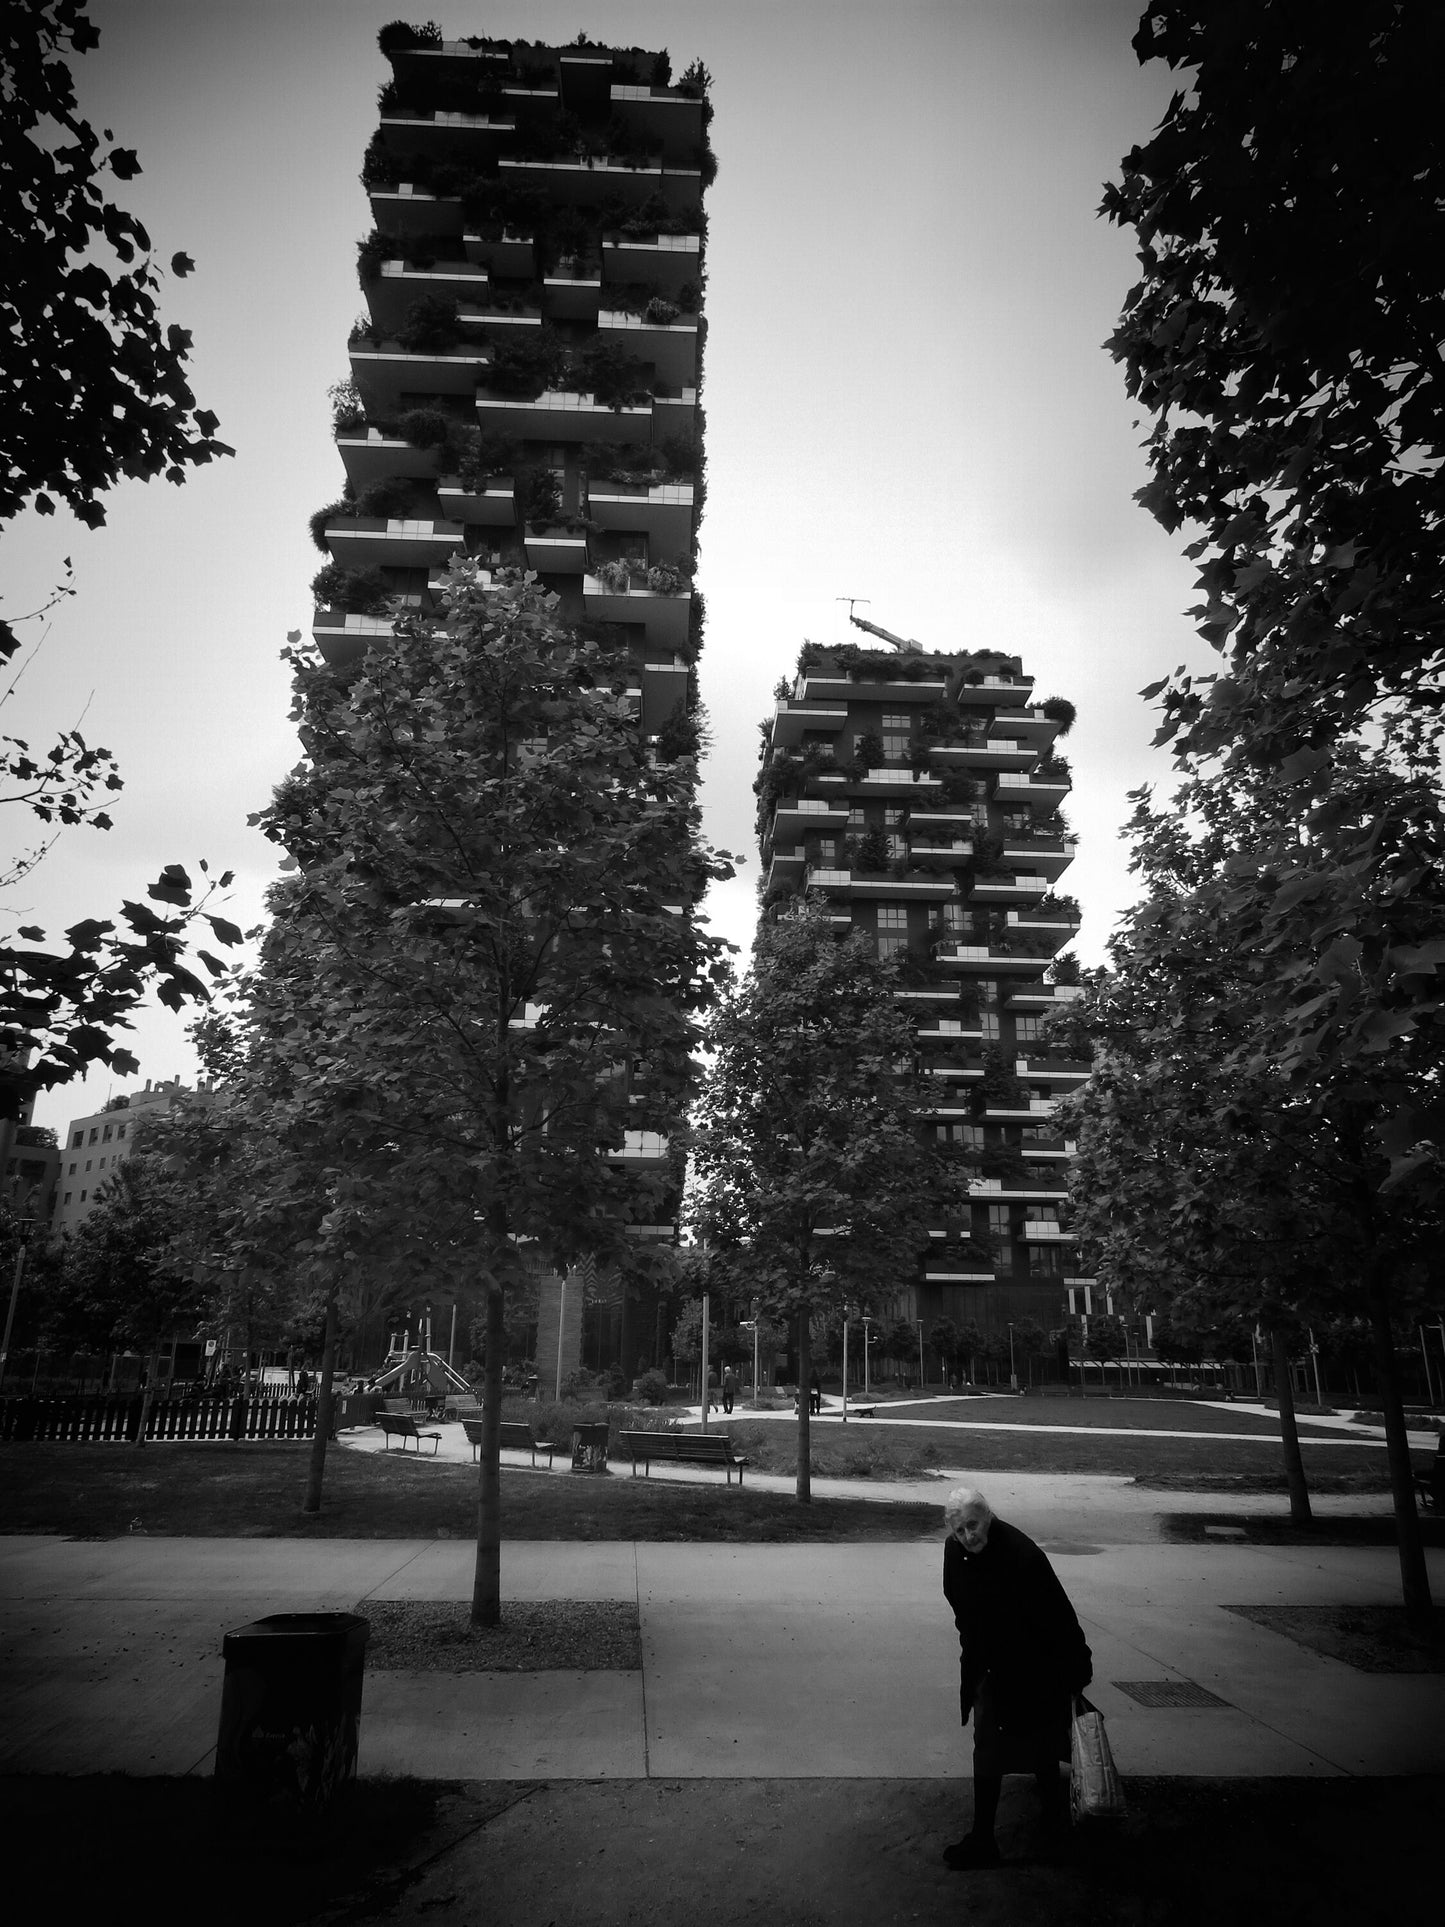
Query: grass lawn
254	1491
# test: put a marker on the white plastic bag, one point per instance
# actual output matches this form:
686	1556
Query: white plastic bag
1095	1792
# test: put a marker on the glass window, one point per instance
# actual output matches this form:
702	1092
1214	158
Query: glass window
892	929
105	1135
94	1135
998	1220
77	1140
67	1197
1026	1029
120	1130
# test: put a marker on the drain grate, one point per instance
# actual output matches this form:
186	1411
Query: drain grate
1168	1692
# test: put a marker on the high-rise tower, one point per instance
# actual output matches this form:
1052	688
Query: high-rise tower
524	383
920	793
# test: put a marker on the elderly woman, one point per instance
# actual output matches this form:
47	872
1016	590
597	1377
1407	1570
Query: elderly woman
1022	1657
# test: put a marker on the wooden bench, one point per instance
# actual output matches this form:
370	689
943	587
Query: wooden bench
400	1425
1430	1486
515	1436
683	1448
462	1408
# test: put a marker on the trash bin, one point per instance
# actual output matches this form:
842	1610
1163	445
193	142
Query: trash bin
589	1448
291	1709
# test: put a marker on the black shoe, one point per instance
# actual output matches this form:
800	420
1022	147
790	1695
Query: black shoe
973	1850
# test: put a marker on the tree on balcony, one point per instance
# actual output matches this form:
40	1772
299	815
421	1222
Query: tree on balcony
477	941
806	1155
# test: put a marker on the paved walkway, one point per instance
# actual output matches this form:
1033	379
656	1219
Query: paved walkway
757	1661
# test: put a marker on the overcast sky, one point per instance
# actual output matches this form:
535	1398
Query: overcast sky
907	400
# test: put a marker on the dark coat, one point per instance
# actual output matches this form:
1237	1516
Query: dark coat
1016	1629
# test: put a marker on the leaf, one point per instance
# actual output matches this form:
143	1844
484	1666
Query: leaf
226	932
182	265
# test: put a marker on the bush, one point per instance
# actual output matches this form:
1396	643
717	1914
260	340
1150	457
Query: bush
425	427
651	1388
432	325
359	591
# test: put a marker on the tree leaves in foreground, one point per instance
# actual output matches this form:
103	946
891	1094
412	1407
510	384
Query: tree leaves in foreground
94	383
480	988
806	1147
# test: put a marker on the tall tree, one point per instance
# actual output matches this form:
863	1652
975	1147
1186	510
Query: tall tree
482	980
95	385
806	1148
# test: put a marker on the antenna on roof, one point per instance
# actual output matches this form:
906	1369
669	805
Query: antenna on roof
904	645
852	601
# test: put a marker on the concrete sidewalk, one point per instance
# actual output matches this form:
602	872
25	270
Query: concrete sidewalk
758	1661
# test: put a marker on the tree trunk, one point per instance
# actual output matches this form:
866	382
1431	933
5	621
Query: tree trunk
1414	1577
1294	1465
316	1468
487	1579
805	1363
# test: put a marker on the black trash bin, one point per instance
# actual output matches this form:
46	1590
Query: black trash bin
291	1709
589	1448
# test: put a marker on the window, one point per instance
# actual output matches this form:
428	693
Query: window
88	1163
979	813
120	1130
67	1197
857	817
897	733
988	1025
965	1137
94	1135
71	1172
77	1140
105	1135
998	1220
1027	1029
892	929
988	992
897	846
1046	1261
82	1197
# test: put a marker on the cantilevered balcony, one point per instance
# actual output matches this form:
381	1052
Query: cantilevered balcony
641	1150
491	506
579	183
1048	1231
670	346
1049	855
1033	1110
397	288
1009	889
954	1071
1013	786
987	960
664	686
442	135
818	685
383	375
403	208
661	115
663	511
994	752
786	865
1059	1073
948	1030
371	456
664	617
934	849
555	550
376	541
1042	997
792	718
1000	691
797	815
344	639
905	889
561	415
674	410
663	260
506	252
1052	931
897	780
572	294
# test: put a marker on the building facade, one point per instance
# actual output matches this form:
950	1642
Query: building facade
920	795
524	385
94	1145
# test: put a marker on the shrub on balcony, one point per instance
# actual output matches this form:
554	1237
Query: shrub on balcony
1064	969
661	311
615	575
1060	710
479	456
1054	769
397	35
524	368
323	518
425	427
432	326
347	412
1063	909
666	578
379	166
868	749
361	592
872	856
613	377
537	495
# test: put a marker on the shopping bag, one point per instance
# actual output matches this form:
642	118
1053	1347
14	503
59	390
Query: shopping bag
1095	1792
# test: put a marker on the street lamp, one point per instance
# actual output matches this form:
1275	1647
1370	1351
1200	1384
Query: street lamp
919	1323
1013	1377
867	1340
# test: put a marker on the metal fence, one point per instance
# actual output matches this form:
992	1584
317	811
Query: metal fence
95	1418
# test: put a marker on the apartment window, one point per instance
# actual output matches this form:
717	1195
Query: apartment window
998	1220
897	846
94	1135
71	1172
964	1137
67	1197
1042	1213
988	1024
897	735
979	813
77	1140
892	929
857	817
1027	1029
987	988
120	1130
88	1163
105	1135
82	1197
1046	1261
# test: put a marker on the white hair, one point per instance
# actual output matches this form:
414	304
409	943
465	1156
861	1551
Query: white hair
964	1498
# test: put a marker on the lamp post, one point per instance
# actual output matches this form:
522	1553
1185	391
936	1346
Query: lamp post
1013	1377
867	1340
919	1323
845	1364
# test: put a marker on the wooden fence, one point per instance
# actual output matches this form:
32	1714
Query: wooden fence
96	1417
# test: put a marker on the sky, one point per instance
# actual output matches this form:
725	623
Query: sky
907	396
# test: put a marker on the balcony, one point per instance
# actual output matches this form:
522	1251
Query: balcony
798	816
509	253
1042	996
572	294
384	375
372	541
674	410
1047	1231
645	1150
664	617
442	135
560	415
1052	931
674	119
955	1072
870	689
663	260
492	507
579	183
989	961
404	209
1014	786
370	456
994	752
948	1031
555	550
1009	889
786	865
898	780
397	288
344	639
953	851
663	511
1003	691
912	889
1033	1112
670	346
1049	855
1064	1073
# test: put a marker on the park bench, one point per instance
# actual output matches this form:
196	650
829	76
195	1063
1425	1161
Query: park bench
401	1425
683	1448
1430	1486
515	1437
461	1408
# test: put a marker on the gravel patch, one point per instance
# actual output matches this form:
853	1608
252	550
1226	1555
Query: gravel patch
1372	1639
535	1636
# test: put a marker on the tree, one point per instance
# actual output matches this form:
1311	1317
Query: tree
805	1146
1209	1180
95	385
480	987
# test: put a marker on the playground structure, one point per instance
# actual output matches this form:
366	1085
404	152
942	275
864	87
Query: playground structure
412	1368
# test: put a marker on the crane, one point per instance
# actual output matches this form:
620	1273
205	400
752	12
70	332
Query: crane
907	647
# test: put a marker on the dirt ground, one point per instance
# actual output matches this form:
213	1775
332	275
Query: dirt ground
793	1853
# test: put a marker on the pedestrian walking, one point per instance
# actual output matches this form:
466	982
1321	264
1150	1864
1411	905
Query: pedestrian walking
1022	1657
815	1394
728	1385
710	1394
